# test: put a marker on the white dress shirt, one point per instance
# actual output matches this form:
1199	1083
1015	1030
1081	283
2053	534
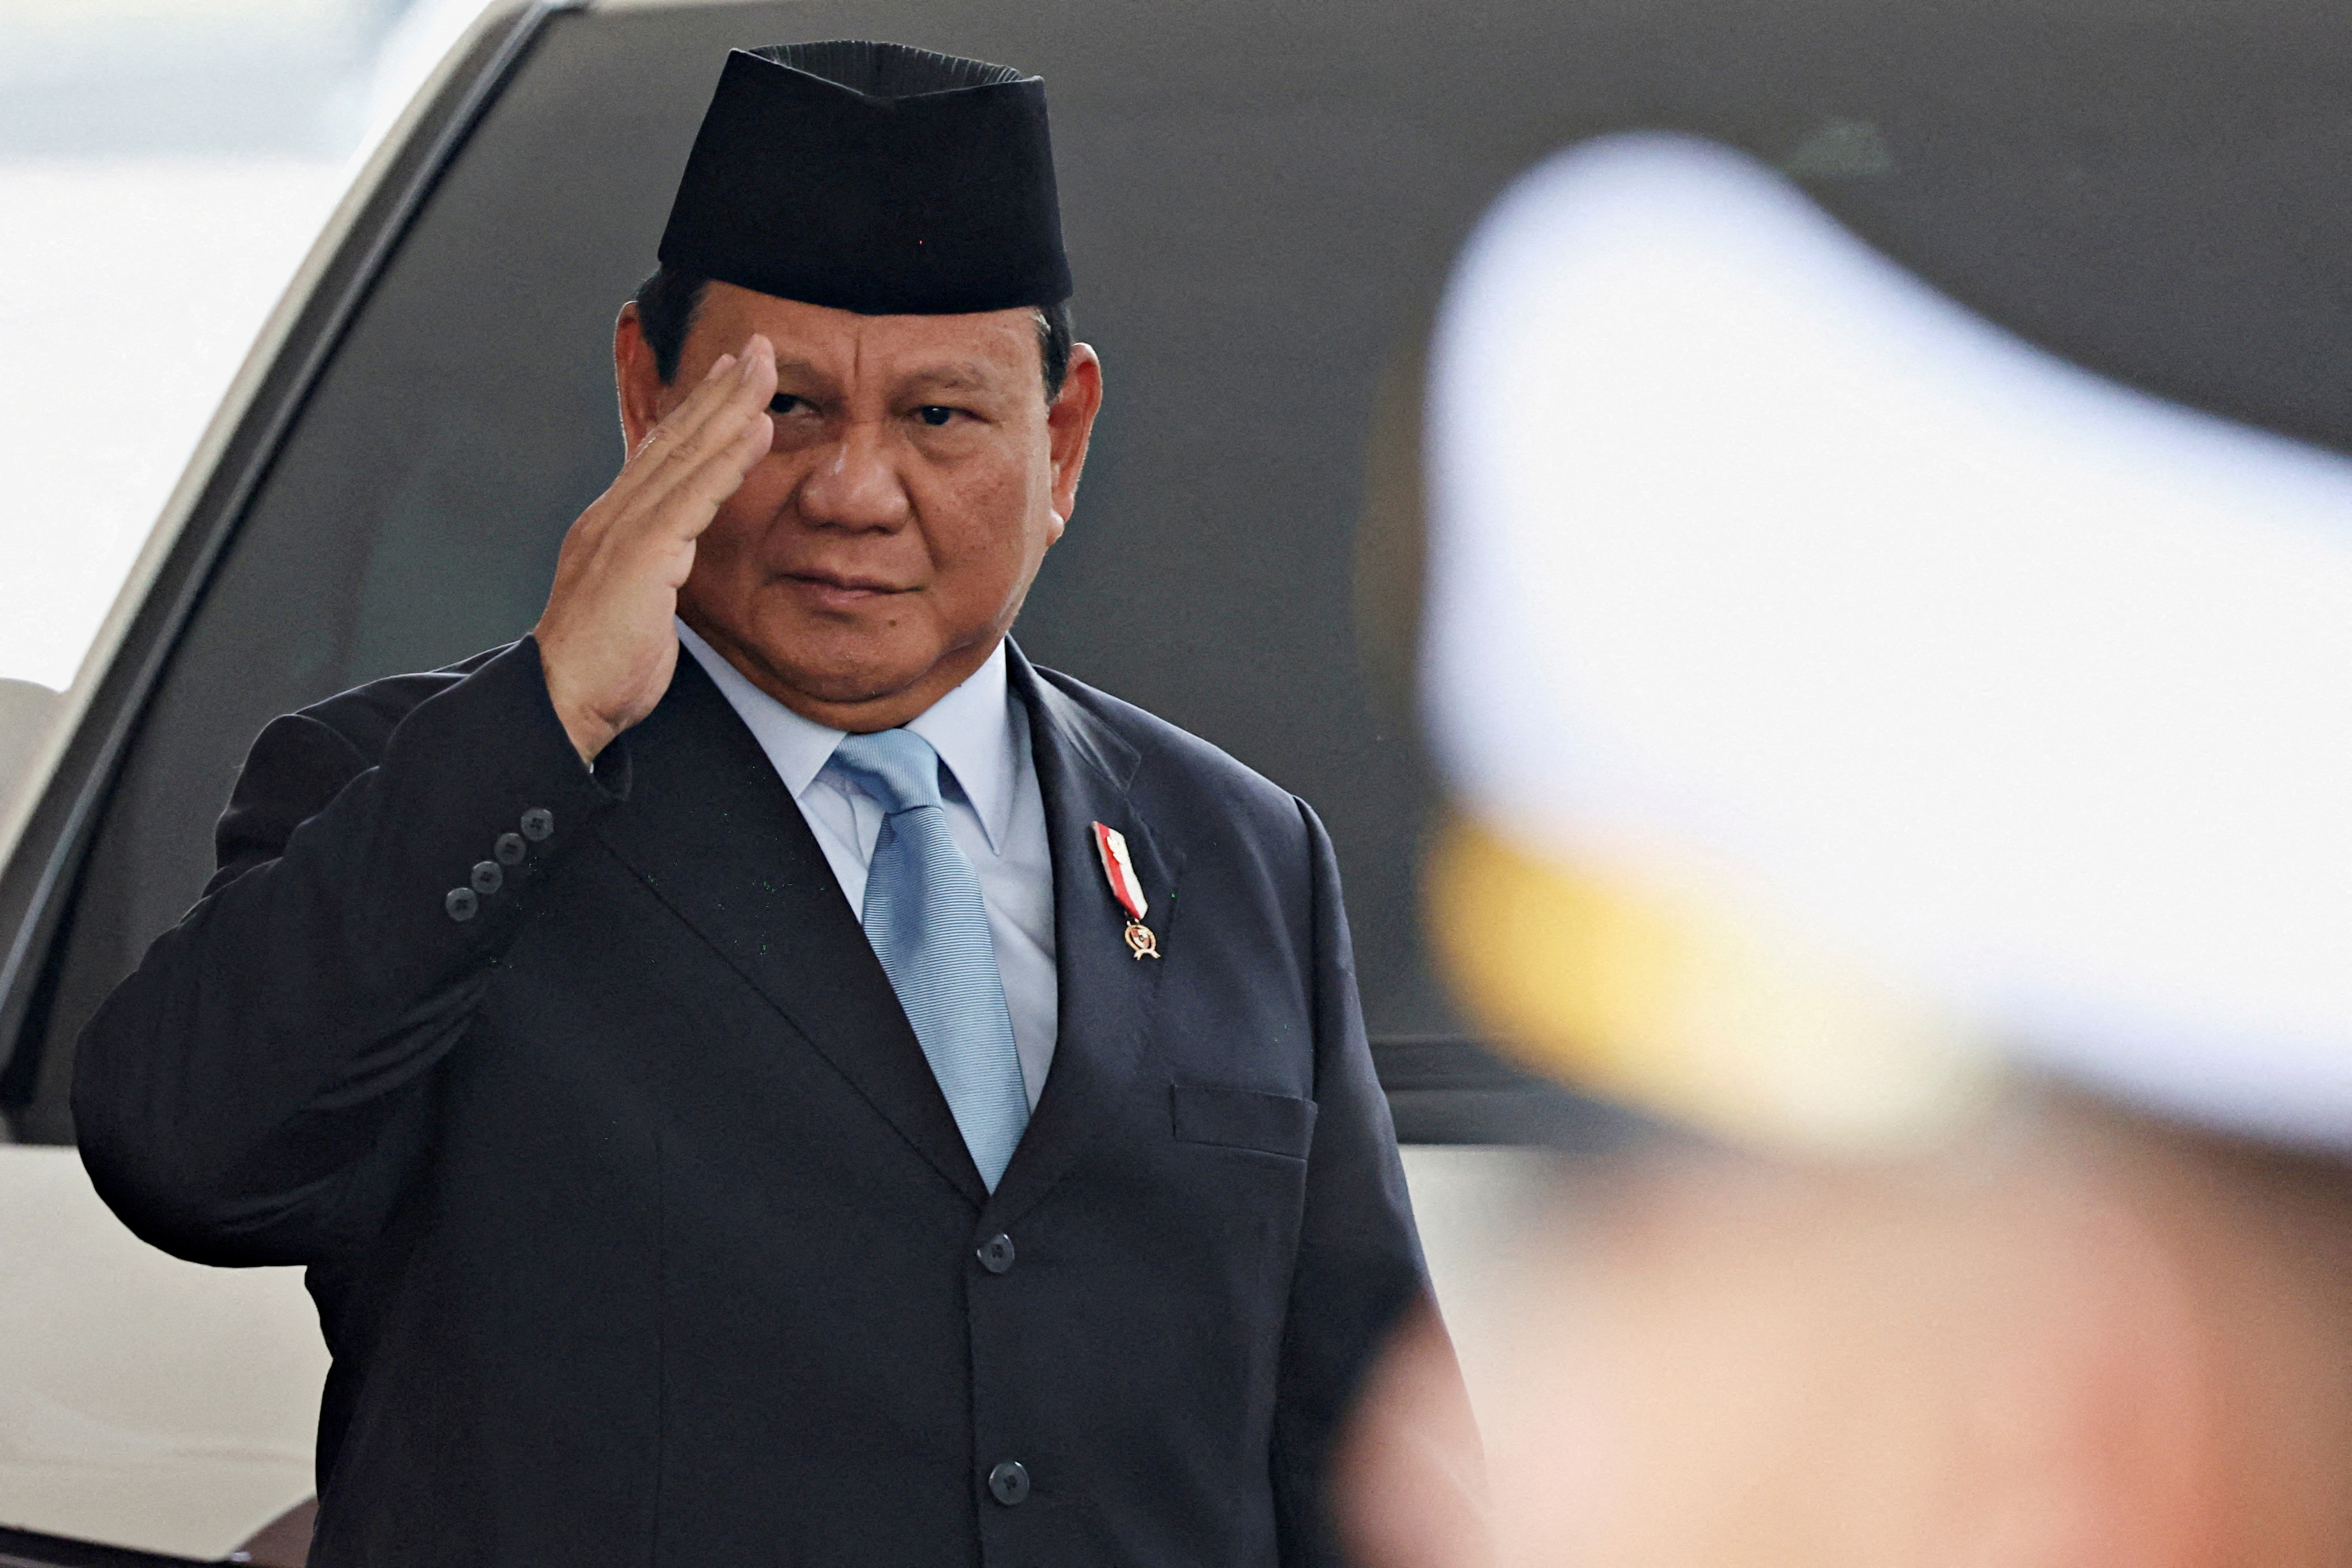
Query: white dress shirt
996	814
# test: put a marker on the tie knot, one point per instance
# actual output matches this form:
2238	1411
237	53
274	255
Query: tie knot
897	767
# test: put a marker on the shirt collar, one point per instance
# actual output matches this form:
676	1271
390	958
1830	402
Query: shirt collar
970	728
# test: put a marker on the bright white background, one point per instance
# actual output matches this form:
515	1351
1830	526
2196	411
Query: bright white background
165	165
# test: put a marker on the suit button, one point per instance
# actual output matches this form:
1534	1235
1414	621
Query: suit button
538	823
461	904
486	878
1008	1482
996	1252
509	849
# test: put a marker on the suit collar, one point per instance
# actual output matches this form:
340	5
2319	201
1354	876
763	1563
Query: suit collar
971	730
1084	770
709	828
711	831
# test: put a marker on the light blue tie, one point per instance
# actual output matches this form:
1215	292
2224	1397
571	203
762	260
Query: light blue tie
924	916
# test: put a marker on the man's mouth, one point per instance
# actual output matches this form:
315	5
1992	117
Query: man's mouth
843	587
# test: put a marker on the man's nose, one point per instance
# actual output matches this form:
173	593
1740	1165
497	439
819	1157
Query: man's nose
853	482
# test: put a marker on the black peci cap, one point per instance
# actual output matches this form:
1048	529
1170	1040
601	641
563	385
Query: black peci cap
875	178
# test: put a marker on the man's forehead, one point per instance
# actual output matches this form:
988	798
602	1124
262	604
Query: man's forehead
915	368
952	350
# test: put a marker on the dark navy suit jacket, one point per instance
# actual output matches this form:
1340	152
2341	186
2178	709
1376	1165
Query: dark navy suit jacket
639	1230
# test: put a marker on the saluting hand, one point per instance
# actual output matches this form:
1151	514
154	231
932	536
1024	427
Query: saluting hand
606	638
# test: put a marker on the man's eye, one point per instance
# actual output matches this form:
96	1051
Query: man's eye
935	414
784	403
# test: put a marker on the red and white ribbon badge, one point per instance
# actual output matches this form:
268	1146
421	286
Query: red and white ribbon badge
1119	870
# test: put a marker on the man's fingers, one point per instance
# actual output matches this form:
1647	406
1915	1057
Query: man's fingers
653	452
674	436
722	420
717	451
732	387
686	505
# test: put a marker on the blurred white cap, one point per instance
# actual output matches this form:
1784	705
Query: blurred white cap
1840	698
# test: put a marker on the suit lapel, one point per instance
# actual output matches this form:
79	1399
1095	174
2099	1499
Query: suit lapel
709	828
1105	991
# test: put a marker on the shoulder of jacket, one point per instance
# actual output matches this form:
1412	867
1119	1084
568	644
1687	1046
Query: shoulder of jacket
1170	757
365	716
301	761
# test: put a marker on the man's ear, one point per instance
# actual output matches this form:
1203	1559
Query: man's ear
636	378
1070	424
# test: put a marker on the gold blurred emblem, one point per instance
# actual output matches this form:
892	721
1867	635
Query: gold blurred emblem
1649	977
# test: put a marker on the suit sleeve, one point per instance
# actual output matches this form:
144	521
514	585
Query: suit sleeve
1360	1267
228	1086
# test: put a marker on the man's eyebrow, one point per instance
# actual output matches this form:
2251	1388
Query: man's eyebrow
798	367
961	377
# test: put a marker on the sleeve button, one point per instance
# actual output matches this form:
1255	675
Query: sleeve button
461	904
538	823
487	877
509	849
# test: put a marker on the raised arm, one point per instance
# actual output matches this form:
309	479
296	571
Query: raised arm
379	855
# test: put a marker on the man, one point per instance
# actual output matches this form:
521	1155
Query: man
841	1095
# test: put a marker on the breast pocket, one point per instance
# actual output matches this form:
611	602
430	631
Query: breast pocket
1242	1118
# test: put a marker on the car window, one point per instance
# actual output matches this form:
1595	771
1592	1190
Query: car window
1261	205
